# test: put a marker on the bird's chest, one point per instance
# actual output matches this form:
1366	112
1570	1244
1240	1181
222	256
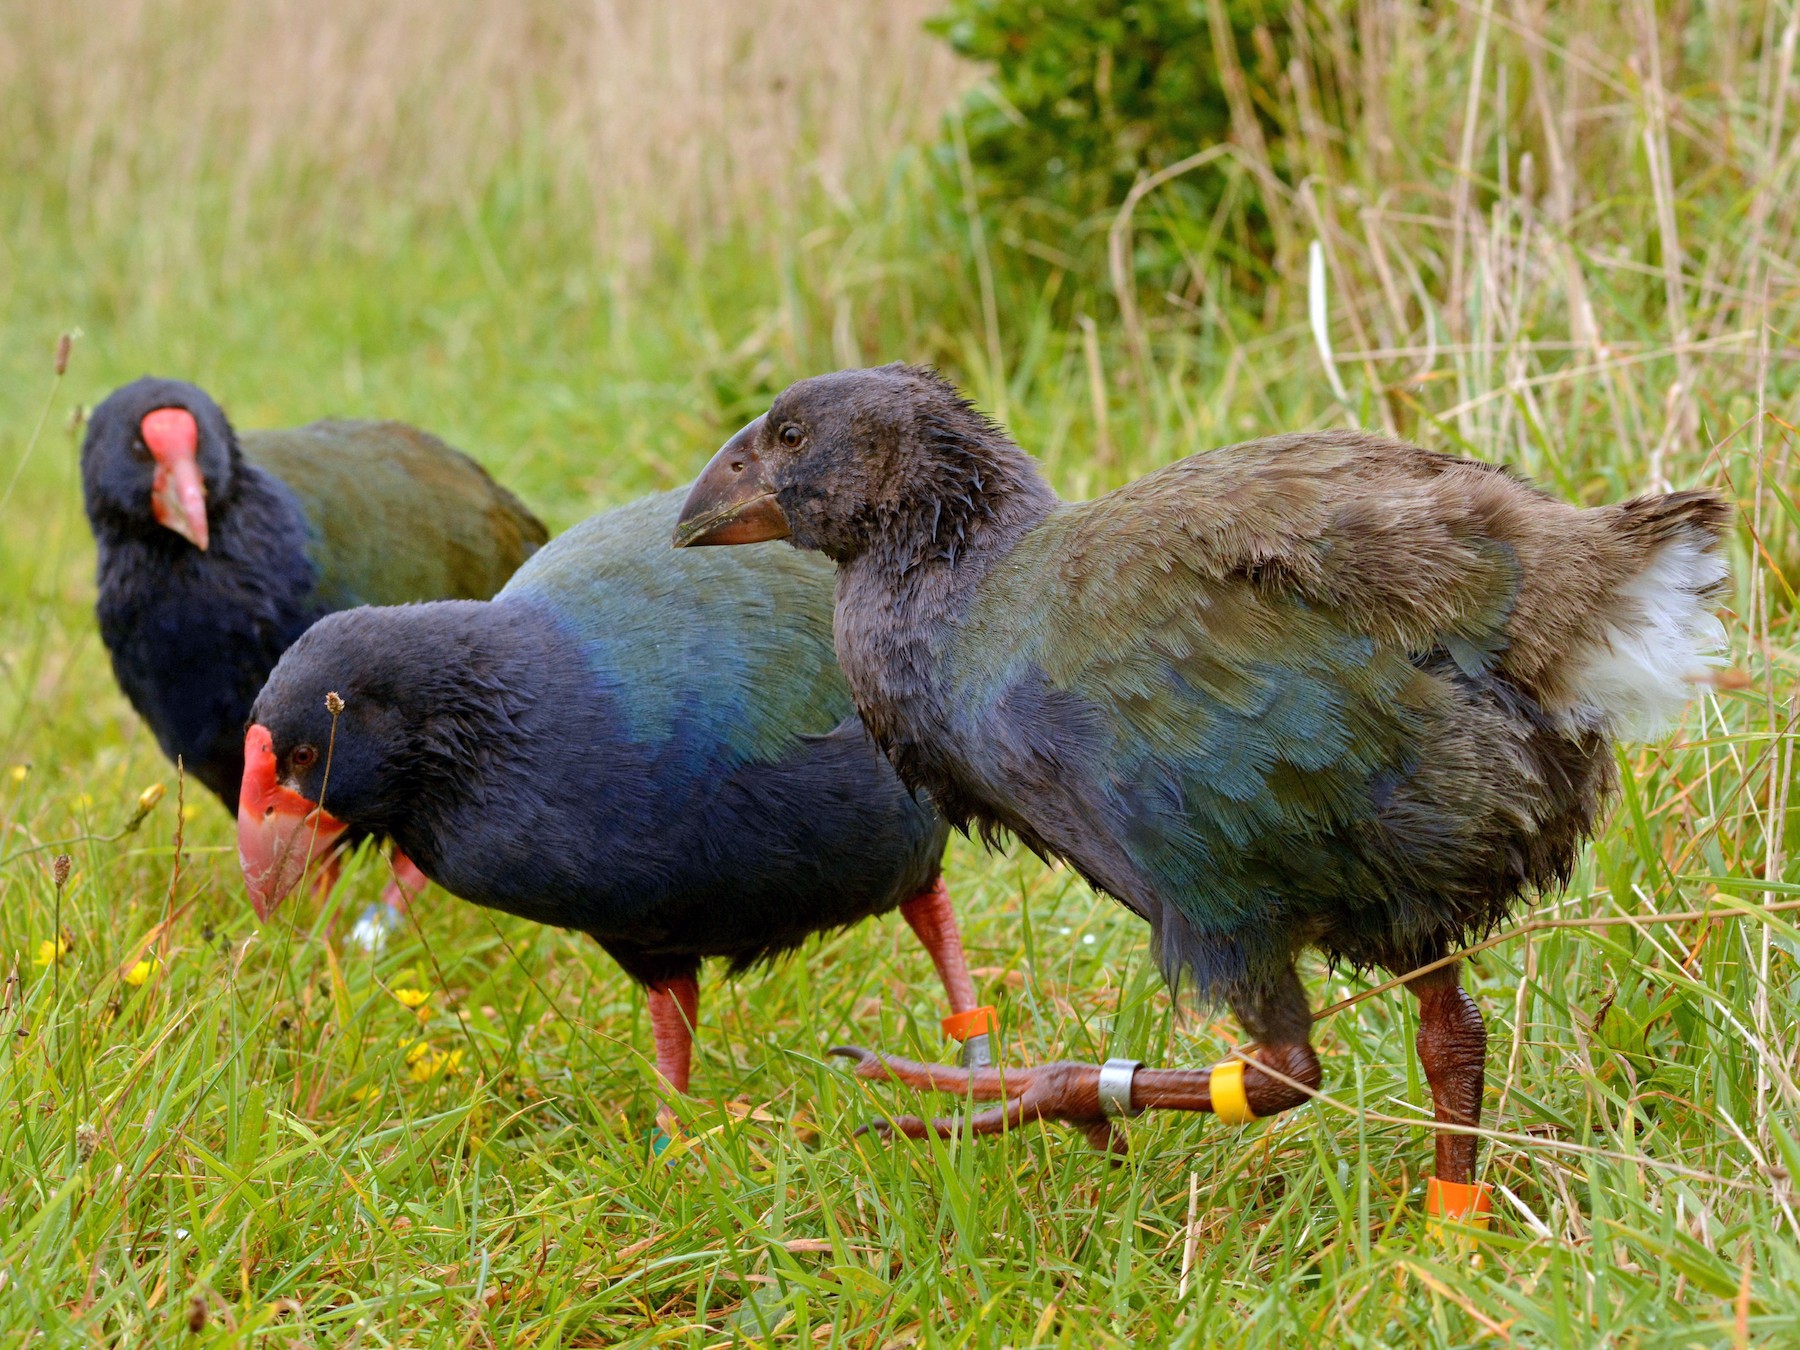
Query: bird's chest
894	666
191	648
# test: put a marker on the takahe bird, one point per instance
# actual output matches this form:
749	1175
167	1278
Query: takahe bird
1325	690
217	550
653	748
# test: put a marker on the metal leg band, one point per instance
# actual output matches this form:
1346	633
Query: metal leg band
1115	1088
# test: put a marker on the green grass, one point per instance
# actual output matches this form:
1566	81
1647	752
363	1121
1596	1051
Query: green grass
243	1133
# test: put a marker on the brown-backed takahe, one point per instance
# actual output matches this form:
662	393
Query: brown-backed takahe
657	749
1323	690
217	550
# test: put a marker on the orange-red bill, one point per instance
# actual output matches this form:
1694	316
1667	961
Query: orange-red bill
279	832
177	490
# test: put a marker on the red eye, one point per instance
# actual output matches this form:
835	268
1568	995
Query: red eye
302	757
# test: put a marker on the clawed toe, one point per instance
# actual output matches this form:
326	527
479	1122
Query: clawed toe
908	1127
1063	1092
987	1084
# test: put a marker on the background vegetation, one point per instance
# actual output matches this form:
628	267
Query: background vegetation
587	241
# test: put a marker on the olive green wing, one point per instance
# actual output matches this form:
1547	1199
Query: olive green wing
396	515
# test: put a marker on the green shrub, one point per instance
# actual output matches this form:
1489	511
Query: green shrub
1086	96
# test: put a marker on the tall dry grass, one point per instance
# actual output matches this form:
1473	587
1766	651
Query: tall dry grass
635	117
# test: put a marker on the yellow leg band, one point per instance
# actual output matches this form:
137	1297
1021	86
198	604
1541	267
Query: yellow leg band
1229	1103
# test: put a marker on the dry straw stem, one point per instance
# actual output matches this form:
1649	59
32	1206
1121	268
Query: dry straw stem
1548	925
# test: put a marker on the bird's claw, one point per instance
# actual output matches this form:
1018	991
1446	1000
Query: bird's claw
1063	1091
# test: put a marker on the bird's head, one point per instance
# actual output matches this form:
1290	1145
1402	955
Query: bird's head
156	452
835	460
329	756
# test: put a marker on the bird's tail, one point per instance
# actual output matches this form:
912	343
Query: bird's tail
1660	632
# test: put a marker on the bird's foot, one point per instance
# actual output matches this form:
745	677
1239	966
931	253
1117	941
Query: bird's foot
1061	1091
372	928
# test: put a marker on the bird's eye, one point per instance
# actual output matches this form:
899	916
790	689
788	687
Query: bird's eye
303	757
139	449
791	435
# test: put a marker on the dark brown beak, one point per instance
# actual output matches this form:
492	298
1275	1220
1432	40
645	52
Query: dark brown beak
732	501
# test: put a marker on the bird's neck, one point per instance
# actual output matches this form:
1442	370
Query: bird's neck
899	600
968	499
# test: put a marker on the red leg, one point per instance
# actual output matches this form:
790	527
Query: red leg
933	920
1452	1048
406	885
674	1012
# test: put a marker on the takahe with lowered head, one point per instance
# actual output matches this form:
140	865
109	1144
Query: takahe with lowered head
217	550
654	748
1326	690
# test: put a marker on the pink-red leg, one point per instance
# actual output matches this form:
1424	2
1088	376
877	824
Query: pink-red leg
933	920
674	1012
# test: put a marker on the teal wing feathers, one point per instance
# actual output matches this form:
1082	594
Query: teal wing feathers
396	515
739	640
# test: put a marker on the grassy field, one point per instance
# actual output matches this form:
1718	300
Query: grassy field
585	243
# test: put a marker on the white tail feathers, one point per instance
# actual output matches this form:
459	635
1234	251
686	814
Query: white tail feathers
1661	638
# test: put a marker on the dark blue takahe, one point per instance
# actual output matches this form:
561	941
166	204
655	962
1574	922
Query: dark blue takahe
1324	690
657	749
217	550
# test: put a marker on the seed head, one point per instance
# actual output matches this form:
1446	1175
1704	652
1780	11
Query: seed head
333	704
63	344
87	1141
60	867
196	1314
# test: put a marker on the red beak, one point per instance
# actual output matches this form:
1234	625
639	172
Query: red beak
279	832
178	492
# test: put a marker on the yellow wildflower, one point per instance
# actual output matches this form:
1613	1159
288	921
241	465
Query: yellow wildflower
412	998
423	1063
50	953
366	1094
19	771
149	797
140	972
